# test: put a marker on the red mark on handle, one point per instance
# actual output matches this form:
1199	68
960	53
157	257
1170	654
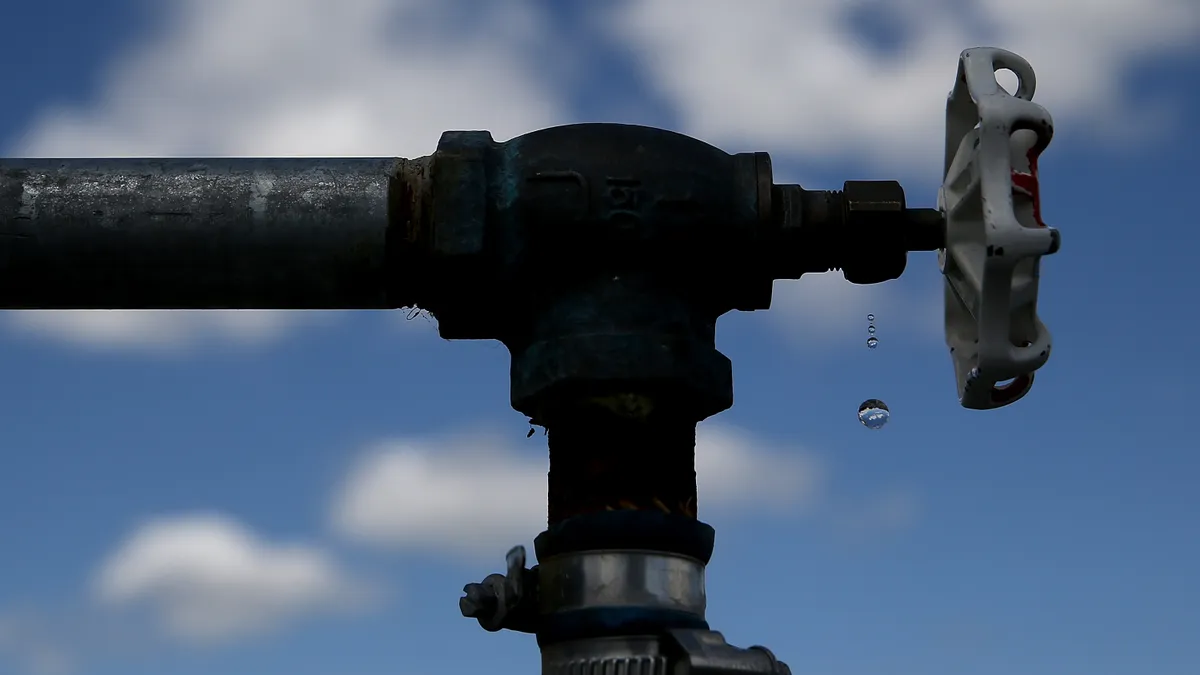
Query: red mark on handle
1028	184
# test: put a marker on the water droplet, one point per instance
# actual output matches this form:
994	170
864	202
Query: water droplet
870	317
873	413
871	330
872	342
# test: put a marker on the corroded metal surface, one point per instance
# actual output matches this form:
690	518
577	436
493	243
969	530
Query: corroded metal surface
191	233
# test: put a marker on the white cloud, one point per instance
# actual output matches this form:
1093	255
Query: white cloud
477	495
162	330
827	307
795	77
45	640
307	77
737	472
208	579
25	644
465	495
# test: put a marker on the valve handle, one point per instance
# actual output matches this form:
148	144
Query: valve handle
995	237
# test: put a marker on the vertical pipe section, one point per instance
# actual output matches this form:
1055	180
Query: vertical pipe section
602	461
195	233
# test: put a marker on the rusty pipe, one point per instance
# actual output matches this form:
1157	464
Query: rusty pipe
201	233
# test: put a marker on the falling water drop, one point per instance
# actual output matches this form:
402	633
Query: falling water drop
870	317
873	413
871	330
872	342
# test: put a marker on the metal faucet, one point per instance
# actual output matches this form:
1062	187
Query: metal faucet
602	256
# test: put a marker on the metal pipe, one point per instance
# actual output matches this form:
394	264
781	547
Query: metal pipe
196	233
604	461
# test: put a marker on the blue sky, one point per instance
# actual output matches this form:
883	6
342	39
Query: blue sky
261	493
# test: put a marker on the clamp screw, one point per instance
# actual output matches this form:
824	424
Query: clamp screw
492	601
478	601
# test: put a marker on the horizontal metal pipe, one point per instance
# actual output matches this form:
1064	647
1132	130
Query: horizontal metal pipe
196	233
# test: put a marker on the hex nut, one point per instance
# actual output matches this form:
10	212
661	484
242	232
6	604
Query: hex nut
873	211
866	196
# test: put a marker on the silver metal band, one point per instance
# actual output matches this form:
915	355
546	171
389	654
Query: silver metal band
645	579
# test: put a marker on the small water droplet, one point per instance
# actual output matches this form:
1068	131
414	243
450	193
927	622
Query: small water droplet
871	330
872	342
873	413
870	317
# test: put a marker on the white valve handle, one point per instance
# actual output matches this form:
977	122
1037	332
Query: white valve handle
995	236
